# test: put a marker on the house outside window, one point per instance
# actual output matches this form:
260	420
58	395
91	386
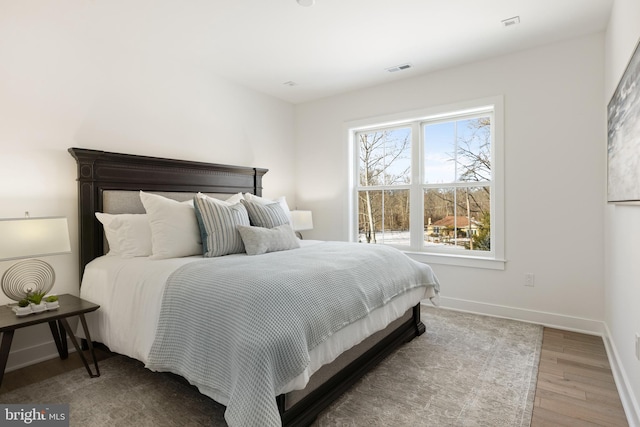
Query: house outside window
432	185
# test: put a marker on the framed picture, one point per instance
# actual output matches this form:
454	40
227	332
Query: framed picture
623	136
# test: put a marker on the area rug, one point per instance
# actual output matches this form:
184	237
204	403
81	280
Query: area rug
466	370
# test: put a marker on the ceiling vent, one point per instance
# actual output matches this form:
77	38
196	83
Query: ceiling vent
511	21
399	68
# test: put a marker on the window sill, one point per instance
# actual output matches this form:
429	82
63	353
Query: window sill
458	260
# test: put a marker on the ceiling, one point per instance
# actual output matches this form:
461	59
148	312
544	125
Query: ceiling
341	45
334	46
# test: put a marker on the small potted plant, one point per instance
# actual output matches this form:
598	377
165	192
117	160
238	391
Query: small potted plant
23	308
51	302
36	302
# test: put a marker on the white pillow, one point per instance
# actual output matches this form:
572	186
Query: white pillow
281	200
174	227
134	235
109	233
229	201
129	235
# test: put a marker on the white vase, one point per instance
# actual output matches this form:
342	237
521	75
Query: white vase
52	305
22	311
38	308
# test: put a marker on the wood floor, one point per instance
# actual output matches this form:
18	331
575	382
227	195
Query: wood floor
47	369
575	386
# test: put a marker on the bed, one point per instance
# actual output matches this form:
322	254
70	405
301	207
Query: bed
135	292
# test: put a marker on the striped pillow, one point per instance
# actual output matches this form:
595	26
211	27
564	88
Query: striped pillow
267	216
218	226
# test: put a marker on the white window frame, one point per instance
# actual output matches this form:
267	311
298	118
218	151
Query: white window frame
494	259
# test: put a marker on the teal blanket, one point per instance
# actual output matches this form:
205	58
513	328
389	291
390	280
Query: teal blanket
242	327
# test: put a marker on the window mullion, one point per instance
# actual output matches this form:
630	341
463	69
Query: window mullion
416	199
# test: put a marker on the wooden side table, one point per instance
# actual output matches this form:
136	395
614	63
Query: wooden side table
69	306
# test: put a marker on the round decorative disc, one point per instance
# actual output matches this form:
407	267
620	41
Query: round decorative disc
28	276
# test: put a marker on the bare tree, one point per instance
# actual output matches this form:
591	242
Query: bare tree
379	154
474	161
474	151
471	154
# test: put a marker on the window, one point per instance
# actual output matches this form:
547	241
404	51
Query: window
432	185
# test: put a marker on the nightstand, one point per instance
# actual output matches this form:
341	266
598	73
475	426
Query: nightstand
57	319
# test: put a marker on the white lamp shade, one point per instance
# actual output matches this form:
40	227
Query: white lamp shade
301	220
33	237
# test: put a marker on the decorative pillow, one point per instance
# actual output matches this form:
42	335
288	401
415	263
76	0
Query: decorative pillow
282	201
218	224
258	240
267	216
174	227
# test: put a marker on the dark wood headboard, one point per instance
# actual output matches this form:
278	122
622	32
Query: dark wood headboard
99	171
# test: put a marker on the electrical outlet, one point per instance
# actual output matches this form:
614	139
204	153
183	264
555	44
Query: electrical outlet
529	279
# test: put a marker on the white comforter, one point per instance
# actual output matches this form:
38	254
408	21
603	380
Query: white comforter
130	292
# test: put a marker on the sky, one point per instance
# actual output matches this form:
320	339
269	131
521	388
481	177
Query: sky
439	149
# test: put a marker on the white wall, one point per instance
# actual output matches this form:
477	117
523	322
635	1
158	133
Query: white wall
68	79
622	223
554	133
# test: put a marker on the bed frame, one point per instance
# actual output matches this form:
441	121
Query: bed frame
100	172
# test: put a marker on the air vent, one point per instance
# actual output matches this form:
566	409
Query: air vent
511	21
399	68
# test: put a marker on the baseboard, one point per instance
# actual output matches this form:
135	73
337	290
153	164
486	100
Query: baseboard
34	354
629	401
551	320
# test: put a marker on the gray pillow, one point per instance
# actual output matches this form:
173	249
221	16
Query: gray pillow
267	216
260	240
218	224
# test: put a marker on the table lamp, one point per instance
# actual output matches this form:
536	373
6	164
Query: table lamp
29	238
300	221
